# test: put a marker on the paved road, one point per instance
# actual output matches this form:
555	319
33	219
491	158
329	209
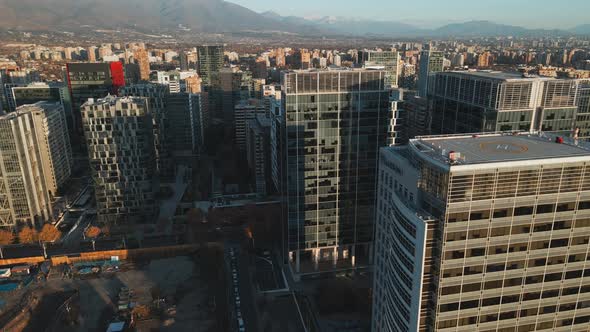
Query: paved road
72	239
234	239
247	293
168	206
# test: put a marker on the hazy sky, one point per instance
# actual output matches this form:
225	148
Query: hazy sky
432	13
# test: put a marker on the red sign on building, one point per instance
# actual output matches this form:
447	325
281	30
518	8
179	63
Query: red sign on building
117	76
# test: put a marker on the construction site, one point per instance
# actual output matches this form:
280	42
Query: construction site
164	289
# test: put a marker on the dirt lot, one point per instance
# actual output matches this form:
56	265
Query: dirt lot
178	280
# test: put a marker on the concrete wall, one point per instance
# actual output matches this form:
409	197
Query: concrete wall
106	255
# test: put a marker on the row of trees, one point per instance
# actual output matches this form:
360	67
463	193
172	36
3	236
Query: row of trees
29	235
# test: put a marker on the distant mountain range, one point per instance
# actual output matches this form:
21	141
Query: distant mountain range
347	26
145	15
583	29
360	27
218	16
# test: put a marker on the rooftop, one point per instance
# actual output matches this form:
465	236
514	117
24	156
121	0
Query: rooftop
490	148
43	85
249	103
112	100
497	75
40	105
330	69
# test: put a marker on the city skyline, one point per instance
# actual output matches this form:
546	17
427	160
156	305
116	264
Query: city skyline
194	164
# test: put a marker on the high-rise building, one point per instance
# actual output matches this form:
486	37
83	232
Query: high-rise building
192	57
484	60
169	78
35	92
158	96
482	101
277	150
257	88
193	84
132	74
169	56
583	112
210	60
261	70
11	77
333	124
258	152
398	131
280	58
25	76
483	233
227	93
407	79
245	111
104	52
337	60
50	127
35	160
431	62
416	115
91	53
142	57
187	122
119	136
247	85
183	59
91	80
386	60
304	59
458	60
200	119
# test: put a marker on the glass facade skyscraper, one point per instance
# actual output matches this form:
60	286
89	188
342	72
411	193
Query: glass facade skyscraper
389	60
334	124
583	113
91	80
431	61
210	60
472	102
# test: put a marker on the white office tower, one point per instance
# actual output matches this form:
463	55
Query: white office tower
35	161
483	233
